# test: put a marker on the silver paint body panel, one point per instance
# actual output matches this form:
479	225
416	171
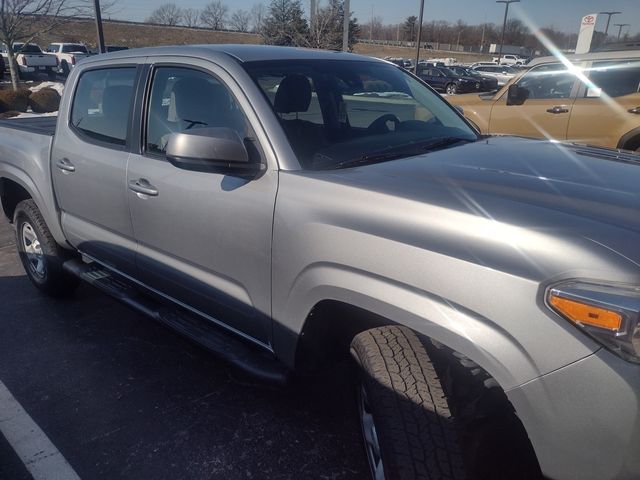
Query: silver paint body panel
458	244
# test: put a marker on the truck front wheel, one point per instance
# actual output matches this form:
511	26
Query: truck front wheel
41	256
407	425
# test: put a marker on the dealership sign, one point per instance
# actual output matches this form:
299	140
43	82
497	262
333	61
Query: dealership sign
587	28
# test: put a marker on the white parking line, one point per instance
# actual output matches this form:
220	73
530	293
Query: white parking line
39	455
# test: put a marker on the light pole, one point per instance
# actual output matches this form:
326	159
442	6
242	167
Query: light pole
96	6
313	9
415	68
504	23
609	15
345	28
620	25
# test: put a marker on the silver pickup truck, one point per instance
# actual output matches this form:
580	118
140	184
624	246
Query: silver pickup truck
290	208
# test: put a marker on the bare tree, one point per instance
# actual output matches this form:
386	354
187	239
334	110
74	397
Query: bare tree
190	17
25	20
240	20
258	14
326	30
166	14
214	15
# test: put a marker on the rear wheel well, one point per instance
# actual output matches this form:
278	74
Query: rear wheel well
11	193
489	417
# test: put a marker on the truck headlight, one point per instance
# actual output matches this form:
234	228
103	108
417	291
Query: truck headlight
608	313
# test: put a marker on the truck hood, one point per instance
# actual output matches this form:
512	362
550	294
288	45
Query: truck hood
562	190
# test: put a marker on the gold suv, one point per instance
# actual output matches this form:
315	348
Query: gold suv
595	101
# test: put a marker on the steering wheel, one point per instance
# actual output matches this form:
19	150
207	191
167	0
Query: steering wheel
379	125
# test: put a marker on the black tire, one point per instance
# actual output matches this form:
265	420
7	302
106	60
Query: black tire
451	89
415	430
64	67
45	269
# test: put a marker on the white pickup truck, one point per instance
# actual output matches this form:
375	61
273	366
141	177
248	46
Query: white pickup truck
68	54
31	59
509	60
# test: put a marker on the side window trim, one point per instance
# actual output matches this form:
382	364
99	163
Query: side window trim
94	141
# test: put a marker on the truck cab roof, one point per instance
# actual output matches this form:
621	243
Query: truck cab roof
242	53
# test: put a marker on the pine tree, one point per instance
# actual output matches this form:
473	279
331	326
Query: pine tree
285	24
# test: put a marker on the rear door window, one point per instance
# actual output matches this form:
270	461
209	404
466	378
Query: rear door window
102	104
615	79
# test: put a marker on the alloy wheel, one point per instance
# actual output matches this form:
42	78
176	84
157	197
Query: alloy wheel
33	251
370	435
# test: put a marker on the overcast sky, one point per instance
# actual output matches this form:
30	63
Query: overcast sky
561	14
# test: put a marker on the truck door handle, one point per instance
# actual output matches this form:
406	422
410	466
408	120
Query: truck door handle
143	186
558	109
634	110
65	165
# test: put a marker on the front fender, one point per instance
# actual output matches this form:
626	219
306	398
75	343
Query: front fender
481	339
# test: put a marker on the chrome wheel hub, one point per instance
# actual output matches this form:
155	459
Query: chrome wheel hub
33	250
370	435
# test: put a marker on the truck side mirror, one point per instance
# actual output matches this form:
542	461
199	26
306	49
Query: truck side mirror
215	150
517	95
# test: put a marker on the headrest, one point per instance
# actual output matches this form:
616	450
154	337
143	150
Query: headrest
293	95
198	99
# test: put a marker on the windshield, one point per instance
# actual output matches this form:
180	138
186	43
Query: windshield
339	113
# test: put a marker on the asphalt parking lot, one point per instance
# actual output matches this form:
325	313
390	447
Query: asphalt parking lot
122	397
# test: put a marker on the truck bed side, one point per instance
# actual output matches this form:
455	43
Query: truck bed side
25	150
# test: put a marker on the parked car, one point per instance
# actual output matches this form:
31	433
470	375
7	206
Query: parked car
510	60
68	54
444	80
401	62
597	102
479	64
487	83
30	59
267	203
502	73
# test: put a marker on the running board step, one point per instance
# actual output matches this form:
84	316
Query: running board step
248	358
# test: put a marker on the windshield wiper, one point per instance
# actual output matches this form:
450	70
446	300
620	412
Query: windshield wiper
416	149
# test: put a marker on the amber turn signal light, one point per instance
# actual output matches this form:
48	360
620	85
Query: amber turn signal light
586	314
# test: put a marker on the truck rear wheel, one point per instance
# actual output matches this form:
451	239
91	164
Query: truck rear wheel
40	254
407	425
